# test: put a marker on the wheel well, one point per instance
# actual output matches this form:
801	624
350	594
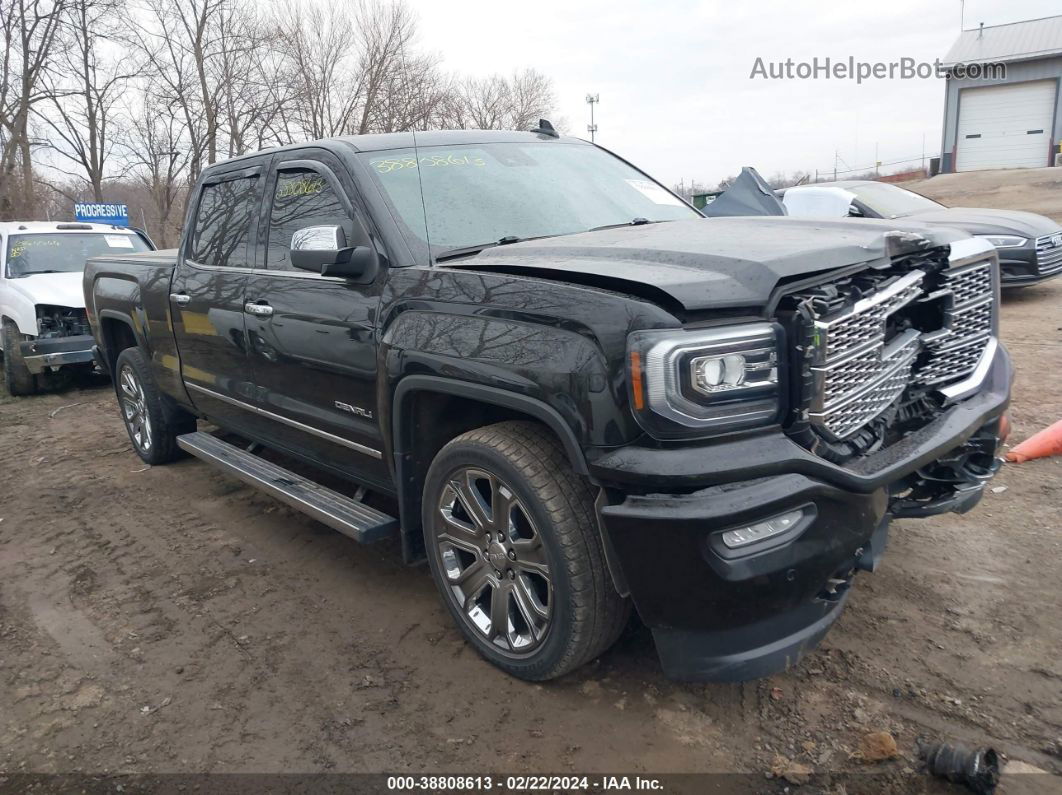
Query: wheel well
117	336
428	421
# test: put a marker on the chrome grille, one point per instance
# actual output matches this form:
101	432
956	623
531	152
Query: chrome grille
1049	254
957	352
969	284
857	374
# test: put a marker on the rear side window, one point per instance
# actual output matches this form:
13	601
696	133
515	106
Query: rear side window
303	197
223	224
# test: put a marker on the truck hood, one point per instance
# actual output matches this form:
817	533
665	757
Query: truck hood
979	221
58	289
716	263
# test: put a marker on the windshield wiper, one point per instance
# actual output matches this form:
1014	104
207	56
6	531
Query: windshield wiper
467	251
34	273
639	221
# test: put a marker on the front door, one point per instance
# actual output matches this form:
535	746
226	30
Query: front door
207	295
312	339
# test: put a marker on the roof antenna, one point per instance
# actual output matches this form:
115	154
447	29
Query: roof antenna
545	127
981	31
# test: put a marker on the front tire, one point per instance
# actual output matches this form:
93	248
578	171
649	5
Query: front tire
152	430
17	377
512	540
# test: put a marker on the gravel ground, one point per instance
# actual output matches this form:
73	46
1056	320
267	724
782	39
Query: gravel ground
169	619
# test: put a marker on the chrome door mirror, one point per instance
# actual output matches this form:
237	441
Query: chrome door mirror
324	250
313	247
318	238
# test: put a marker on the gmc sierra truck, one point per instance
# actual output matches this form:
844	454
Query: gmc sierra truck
563	387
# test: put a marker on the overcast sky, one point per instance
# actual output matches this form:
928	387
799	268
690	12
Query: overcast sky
673	76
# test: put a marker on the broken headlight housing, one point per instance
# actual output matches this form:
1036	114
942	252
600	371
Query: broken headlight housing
702	381
61	321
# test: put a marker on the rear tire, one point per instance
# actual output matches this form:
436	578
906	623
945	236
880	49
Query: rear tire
152	429
17	377
514	548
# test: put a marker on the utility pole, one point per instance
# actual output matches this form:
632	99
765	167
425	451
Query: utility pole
591	100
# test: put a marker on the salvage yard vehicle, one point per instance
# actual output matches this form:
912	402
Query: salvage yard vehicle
42	305
1029	245
577	392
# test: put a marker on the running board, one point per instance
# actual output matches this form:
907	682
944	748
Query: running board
348	516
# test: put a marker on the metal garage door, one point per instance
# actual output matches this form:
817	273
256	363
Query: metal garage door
1006	126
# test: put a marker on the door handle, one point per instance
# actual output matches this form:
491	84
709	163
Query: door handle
258	310
181	299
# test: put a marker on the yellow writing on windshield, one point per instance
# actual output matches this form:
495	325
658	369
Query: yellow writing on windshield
388	164
22	244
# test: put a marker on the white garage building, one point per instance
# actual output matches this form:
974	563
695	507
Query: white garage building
997	121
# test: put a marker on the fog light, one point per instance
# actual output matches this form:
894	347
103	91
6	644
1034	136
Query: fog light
743	536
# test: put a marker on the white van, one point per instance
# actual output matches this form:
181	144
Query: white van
42	305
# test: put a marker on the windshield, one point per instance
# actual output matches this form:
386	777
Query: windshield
478	194
888	201
65	252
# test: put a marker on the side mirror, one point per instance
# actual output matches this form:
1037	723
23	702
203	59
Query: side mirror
316	246
324	250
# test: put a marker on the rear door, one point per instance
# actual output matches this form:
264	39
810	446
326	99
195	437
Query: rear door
207	294
312	338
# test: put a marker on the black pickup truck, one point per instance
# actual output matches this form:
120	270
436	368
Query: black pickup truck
563	387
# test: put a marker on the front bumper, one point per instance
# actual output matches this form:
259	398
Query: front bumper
722	617
41	354
1019	267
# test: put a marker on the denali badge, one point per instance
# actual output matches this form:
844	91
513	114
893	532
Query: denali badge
354	409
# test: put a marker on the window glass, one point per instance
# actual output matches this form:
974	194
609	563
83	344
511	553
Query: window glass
223	224
890	201
303	197
65	252
479	193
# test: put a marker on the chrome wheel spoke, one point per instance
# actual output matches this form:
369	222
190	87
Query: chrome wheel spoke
472	581
460	534
493	559
471	500
531	556
499	612
535	612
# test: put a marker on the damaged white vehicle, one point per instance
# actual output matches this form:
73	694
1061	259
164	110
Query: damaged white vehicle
42	305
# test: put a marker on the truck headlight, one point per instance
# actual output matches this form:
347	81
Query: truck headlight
1005	241
696	381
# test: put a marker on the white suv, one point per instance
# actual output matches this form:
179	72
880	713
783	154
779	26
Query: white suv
42	305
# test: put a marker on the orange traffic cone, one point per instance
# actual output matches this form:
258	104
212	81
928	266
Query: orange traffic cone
1040	445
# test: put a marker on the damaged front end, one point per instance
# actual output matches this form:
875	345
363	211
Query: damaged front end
897	388
885	351
64	338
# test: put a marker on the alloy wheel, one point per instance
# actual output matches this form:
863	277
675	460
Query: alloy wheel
494	561
134	408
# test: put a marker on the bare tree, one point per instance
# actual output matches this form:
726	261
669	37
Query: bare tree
85	91
160	157
504	103
30	30
319	68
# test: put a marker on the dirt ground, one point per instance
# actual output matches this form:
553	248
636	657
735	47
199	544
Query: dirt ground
170	619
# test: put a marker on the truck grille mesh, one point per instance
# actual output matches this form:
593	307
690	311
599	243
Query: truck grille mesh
970	325
858	371
1048	254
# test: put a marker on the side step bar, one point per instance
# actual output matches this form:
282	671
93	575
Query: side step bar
349	517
